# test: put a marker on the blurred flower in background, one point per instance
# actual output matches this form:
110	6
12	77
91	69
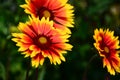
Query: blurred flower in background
107	45
59	11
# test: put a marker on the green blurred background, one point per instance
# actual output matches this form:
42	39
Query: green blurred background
89	15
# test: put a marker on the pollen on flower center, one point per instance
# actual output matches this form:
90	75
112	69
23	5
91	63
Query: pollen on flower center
46	13
42	40
106	49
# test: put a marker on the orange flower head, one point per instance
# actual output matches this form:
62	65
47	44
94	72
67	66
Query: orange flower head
107	45
38	40
57	10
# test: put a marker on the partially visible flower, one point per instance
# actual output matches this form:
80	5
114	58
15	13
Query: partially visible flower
107	45
57	10
39	40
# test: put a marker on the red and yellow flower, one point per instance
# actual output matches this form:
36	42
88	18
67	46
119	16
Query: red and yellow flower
38	39
57	10
107	45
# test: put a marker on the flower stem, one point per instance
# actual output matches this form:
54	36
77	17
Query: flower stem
28	69
36	75
27	74
86	69
107	76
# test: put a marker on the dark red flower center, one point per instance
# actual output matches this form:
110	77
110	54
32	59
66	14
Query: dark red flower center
106	49
45	12
42	42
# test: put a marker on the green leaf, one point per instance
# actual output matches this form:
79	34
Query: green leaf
2	71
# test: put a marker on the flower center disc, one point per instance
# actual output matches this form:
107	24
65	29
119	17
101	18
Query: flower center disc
106	49
42	40
46	13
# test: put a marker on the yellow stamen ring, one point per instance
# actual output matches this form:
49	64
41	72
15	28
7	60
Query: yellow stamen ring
106	49
46	13
42	40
